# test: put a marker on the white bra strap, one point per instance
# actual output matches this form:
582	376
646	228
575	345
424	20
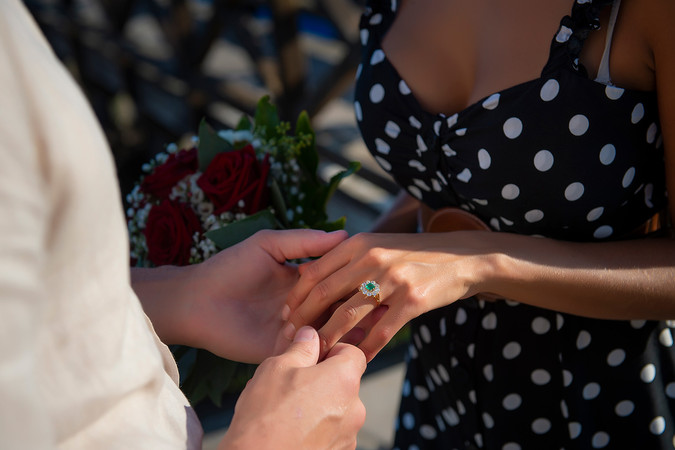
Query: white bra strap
603	71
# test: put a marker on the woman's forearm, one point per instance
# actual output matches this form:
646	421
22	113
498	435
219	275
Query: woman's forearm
618	280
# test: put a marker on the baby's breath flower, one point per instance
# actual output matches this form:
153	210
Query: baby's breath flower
161	157
209	221
142	215
197	195
205	211
172	148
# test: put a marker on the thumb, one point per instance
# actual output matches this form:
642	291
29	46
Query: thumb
305	347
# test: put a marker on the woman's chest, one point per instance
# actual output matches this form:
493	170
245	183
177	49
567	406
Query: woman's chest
453	53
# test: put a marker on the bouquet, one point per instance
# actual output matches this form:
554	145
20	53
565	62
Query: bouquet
225	186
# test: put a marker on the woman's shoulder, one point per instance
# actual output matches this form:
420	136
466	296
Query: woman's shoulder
654	19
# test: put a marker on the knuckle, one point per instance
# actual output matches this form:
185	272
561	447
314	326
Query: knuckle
352	443
359	414
381	337
411	295
399	274
324	343
322	290
313	270
273	365
352	381
264	234
416	299
348	313
375	256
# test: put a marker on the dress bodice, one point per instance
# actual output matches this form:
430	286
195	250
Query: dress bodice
561	155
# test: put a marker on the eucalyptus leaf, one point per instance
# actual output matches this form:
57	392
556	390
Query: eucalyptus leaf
236	232
210	144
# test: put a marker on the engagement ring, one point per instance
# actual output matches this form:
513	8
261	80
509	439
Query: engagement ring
371	289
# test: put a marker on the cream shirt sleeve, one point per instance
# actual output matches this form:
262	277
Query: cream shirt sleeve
80	365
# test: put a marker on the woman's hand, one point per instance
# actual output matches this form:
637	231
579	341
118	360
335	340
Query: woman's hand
231	304
416	273
622	280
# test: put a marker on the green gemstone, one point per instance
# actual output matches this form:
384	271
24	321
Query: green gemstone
370	287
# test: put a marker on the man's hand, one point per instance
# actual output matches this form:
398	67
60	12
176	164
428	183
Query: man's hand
293	402
231	304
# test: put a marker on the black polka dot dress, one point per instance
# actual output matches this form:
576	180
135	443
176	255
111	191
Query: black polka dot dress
560	156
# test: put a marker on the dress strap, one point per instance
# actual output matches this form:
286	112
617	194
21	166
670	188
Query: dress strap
570	37
603	71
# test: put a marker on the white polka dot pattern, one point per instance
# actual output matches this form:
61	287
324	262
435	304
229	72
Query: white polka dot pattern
445	135
555	157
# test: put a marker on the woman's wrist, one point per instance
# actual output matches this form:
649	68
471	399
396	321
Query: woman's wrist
490	270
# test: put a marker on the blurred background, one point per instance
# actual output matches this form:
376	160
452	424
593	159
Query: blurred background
152	69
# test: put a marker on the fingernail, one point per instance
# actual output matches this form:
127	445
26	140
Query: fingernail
285	313
289	331
304	334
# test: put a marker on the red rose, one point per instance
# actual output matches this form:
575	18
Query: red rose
233	176
168	233
174	169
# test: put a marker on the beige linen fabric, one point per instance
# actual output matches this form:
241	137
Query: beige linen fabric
80	365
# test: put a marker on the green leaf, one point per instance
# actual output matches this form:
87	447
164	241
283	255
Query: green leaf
335	180
236	232
266	117
278	202
210	144
222	376
309	157
243	124
211	376
338	224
